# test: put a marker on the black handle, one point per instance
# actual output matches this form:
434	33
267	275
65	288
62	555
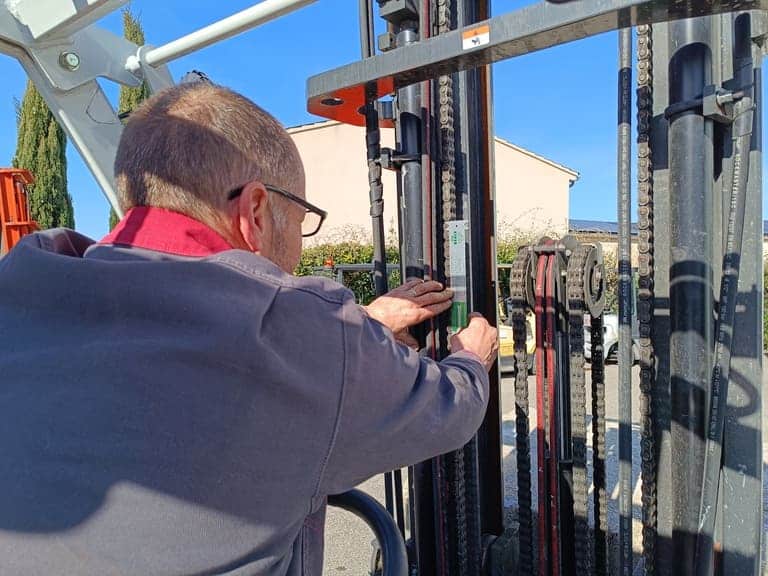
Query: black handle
393	556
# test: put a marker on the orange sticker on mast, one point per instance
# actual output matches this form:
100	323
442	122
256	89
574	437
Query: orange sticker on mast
476	37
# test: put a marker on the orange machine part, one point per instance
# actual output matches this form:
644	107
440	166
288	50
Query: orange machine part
14	208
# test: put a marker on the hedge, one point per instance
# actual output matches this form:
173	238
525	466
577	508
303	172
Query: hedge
322	258
326	256
315	258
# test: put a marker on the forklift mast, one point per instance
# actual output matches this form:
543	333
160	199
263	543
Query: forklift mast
698	98
699	295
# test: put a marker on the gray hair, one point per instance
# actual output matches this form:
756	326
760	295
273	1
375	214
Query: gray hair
188	146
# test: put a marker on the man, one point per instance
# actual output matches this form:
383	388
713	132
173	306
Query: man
173	401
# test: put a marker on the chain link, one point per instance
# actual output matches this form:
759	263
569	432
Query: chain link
577	268
646	291
597	354
518	287
447	132
454	462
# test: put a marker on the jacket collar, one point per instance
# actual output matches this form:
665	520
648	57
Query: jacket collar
163	230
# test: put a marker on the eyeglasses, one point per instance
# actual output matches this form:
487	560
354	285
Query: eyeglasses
313	216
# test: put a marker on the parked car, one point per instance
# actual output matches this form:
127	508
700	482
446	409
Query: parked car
610	342
507	346
610	339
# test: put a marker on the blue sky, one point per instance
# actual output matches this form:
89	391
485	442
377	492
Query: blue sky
560	103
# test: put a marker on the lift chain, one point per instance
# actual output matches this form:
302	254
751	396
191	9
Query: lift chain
646	290
454	469
578	271
585	293
455	476
447	132
520	288
597	354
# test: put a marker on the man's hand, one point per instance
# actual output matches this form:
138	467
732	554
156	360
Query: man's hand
406	339
410	304
478	337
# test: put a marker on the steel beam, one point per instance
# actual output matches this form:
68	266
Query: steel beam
664	551
48	19
743	466
65	70
66	63
691	283
731	253
89	120
409	107
339	94
408	139
624	197
245	20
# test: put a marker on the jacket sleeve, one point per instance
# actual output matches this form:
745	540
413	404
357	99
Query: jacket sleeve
397	408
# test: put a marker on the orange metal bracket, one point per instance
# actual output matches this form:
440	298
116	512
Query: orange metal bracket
14	208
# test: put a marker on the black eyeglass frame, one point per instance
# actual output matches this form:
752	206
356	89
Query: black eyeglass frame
308	206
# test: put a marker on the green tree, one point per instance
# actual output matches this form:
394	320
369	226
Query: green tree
611	268
509	240
130	97
41	149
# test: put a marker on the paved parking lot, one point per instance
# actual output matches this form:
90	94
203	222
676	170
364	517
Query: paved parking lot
348	540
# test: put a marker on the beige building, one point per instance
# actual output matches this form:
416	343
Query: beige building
531	191
607	233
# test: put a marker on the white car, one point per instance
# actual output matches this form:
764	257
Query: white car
610	339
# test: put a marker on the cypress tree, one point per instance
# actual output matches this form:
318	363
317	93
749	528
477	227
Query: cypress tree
130	97
41	149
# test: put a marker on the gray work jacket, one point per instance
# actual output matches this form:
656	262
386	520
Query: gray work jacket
164	415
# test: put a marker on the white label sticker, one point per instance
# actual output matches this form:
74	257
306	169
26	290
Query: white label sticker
457	253
476	37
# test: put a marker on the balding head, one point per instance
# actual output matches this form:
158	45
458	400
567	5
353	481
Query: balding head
186	147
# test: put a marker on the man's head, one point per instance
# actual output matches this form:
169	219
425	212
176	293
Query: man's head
188	146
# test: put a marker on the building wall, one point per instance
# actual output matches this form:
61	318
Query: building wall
337	177
531	192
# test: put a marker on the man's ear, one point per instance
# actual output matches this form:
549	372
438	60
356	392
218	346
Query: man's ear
252	215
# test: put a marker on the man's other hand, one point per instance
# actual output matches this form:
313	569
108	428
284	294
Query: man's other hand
412	303
478	337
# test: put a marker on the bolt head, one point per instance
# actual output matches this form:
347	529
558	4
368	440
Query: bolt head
69	60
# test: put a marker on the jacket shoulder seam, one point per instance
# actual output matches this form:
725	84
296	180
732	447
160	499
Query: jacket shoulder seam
277	282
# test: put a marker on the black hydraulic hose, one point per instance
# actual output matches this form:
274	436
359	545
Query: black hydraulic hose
393	556
376	191
373	154
729	286
399	503
625	303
